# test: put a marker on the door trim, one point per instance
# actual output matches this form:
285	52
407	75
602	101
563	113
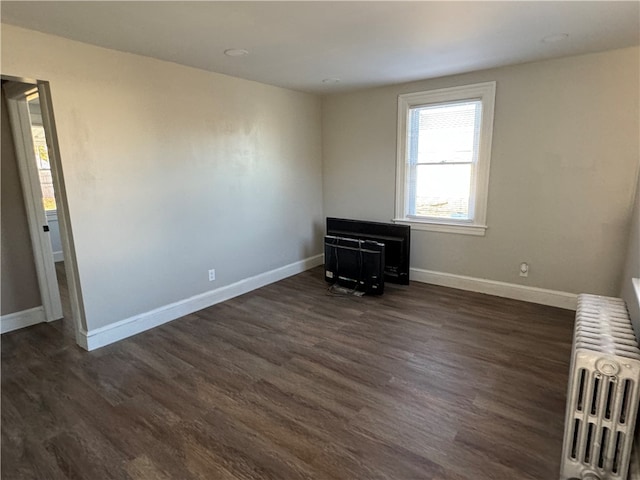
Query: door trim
18	110
64	222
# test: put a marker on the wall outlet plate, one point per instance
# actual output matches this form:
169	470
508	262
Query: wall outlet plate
212	275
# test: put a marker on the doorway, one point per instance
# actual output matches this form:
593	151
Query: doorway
30	114
45	176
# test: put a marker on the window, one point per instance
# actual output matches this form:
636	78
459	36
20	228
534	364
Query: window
444	149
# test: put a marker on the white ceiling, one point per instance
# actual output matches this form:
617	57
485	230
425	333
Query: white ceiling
298	44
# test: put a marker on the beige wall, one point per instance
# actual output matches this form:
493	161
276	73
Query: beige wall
565	152
19	281
171	171
632	265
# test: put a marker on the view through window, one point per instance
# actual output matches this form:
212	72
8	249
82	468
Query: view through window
42	156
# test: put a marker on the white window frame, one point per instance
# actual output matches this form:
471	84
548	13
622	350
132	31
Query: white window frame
485	92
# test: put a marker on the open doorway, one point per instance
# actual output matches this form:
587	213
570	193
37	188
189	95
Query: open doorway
47	189
43	164
34	140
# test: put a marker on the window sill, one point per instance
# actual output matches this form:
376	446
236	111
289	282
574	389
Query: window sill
463	229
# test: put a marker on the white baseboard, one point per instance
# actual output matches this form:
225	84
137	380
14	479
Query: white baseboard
58	256
99	337
24	318
543	296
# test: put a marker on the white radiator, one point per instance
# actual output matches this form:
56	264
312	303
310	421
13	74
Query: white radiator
602	401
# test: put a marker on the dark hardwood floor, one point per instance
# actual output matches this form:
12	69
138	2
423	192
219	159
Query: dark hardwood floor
289	382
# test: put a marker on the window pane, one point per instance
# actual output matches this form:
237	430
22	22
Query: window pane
44	168
442	190
446	133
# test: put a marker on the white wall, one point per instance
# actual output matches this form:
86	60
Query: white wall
171	171
565	154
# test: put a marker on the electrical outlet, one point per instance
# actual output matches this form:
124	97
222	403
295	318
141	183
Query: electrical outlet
212	275
524	269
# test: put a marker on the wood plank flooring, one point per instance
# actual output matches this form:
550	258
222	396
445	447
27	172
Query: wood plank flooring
290	382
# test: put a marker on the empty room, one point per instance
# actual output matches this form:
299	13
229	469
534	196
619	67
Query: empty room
320	240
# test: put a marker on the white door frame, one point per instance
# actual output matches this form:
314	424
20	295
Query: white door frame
18	111
66	232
